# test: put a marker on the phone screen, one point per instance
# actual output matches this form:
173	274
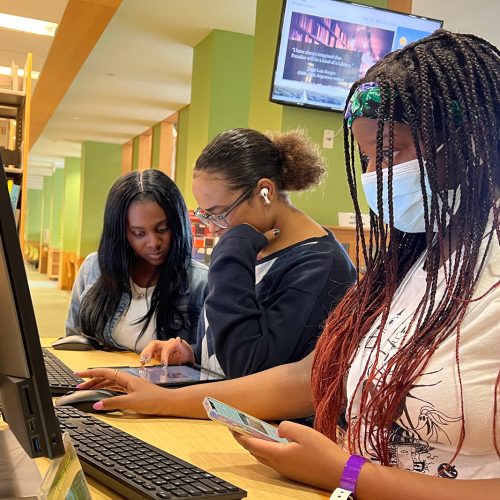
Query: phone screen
172	375
234	418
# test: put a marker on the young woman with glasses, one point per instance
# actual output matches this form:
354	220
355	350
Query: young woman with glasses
142	283
275	274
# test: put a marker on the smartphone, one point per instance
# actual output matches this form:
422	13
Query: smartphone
241	422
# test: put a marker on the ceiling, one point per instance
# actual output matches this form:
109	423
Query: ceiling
139	72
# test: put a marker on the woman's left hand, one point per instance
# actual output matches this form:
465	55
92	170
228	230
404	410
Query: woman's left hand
309	458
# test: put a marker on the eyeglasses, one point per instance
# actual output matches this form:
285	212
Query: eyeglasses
220	220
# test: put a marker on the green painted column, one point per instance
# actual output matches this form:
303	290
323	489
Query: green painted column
55	235
264	114
71	213
182	172
46	206
100	167
34	215
220	98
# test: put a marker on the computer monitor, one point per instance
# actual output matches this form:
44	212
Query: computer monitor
24	390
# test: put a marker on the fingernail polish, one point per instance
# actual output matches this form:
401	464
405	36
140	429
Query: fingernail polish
76	373
98	406
78	386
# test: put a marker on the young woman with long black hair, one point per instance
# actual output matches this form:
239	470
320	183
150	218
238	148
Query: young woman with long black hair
142	283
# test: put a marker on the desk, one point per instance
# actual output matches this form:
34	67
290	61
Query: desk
204	443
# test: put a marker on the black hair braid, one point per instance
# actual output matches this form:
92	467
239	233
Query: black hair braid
378	162
448	129
491	94
428	128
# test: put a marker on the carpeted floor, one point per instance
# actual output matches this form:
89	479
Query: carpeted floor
50	304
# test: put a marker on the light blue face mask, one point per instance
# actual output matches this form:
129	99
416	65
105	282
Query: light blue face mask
408	200
407	196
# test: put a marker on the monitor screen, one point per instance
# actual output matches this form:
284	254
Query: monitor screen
324	46
24	390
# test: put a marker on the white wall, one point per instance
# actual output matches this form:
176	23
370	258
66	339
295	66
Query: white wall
479	17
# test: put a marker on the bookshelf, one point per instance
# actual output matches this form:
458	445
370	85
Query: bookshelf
15	104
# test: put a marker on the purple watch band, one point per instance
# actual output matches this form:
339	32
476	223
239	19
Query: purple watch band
351	472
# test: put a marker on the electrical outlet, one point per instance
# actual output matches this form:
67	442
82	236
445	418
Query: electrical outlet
328	138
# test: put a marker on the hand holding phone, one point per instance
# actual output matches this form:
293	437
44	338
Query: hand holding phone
241	422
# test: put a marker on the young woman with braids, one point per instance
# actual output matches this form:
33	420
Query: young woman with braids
409	362
141	284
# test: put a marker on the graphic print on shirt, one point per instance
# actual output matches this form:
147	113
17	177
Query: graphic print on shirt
418	422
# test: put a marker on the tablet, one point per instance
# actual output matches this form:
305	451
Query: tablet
173	376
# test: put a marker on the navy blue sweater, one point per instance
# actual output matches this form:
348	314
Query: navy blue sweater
263	313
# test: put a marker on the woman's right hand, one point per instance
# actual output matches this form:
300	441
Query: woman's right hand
168	352
139	394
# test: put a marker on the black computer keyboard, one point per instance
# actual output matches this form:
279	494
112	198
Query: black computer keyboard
61	378
135	469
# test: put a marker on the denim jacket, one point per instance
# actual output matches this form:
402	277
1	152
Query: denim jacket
189	303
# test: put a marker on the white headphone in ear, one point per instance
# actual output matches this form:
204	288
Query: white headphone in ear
264	192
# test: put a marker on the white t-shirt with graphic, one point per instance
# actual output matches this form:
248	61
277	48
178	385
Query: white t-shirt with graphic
425	437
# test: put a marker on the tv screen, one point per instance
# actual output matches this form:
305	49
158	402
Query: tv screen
326	45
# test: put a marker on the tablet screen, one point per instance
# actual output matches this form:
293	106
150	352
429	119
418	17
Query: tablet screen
168	376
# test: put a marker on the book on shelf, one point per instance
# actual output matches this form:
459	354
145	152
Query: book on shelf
14	195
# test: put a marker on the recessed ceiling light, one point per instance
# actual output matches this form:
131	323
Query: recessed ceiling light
27	24
76	117
6	70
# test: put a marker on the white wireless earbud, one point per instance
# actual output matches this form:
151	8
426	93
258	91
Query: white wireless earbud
264	192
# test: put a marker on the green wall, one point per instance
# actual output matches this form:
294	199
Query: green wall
232	56
182	173
55	238
264	114
71	214
46	205
100	167
332	196
34	215
220	98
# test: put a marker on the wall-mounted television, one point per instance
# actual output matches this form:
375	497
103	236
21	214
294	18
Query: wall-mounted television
324	46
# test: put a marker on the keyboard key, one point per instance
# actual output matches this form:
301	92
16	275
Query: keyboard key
191	490
179	493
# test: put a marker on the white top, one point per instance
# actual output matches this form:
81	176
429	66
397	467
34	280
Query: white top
425	436
127	329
